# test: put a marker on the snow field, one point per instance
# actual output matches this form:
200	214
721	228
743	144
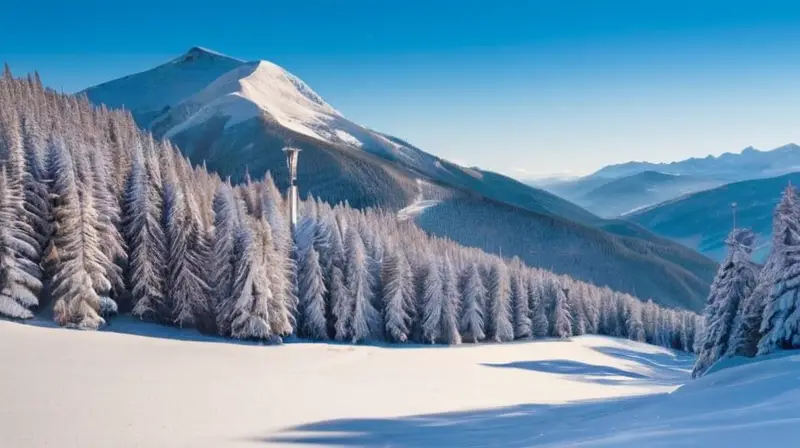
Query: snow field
86	389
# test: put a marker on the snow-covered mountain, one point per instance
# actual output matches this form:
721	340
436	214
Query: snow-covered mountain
598	193
702	220
236	116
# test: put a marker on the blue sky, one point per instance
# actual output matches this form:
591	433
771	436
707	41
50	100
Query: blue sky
526	88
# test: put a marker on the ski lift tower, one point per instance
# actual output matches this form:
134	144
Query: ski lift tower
291	194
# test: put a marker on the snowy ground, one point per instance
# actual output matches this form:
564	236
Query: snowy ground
64	388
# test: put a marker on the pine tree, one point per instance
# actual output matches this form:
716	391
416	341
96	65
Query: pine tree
561	318
398	296
780	323
450	304
540	325
473	298
187	290
312	297
735	281
519	299
77	270
364	318
499	306
145	236
18	289
226	224
432	302
246	311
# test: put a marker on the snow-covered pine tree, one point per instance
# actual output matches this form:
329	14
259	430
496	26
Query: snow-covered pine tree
77	271
473	299
18	289
398	296
519	300
364	318
561	318
450	304
143	212
246	312
311	317
270	267
633	320
114	254
780	325
431	300
501	328
747	327
186	288
227	221
735	280
540	325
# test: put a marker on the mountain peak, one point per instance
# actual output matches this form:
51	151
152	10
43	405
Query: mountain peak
198	53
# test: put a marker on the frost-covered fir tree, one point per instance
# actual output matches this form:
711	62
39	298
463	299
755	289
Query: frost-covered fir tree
539	324
187	289
747	327
561	318
18	289
227	221
311	317
432	301
450	304
76	267
364	319
143	209
519	301
780	325
246	312
398	296
473	299
501	328
272	271
735	281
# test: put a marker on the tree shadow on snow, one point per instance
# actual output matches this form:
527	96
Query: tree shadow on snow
569	367
514	426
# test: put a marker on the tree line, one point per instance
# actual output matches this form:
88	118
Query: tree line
98	218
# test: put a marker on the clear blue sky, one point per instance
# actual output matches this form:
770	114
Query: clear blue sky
521	87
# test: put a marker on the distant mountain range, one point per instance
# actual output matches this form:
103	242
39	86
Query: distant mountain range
621	189
236	116
703	220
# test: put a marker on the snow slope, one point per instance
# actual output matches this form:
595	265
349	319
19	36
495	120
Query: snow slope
123	388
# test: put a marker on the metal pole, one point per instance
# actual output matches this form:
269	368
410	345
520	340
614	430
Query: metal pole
291	161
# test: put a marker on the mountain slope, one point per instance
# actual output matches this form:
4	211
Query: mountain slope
629	193
239	122
702	220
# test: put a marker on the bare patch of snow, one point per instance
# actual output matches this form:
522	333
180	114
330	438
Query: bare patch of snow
348	138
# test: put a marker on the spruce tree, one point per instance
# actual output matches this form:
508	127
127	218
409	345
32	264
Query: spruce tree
735	281
76	269
561	318
450	304
473	296
364	318
398	296
501	328
312	322
780	325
